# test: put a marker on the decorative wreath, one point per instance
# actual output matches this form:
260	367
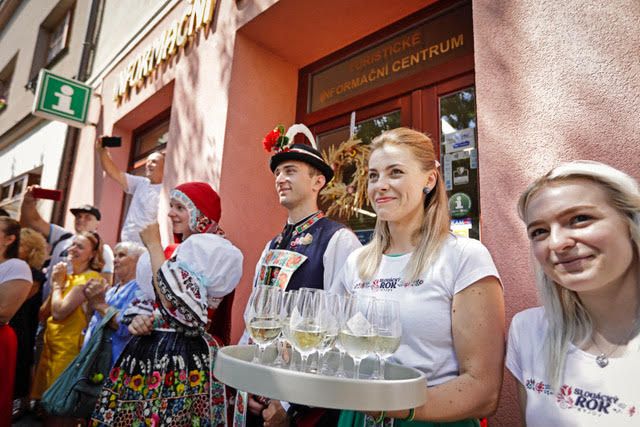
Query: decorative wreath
346	198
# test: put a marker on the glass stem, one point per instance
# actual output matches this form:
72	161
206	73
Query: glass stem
381	368
280	347
356	363
340	373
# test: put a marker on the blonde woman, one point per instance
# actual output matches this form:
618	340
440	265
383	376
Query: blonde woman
576	359
448	288
63	335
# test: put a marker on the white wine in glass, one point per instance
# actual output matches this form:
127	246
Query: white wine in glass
306	326
357	333
388	329
263	317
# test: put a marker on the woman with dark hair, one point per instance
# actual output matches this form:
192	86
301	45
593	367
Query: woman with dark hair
165	374
447	287
63	335
15	284
576	358
33	250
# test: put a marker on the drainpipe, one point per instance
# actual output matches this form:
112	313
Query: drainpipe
73	134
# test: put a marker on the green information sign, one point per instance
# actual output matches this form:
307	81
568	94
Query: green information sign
459	205
62	99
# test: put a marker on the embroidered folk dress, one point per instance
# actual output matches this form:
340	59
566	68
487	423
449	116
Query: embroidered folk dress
166	378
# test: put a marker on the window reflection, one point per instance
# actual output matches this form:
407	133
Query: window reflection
459	160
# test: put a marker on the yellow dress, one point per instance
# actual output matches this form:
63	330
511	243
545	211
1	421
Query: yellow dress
62	339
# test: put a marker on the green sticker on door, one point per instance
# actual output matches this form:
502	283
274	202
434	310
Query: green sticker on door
459	205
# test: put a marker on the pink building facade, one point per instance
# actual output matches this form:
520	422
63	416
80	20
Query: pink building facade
531	83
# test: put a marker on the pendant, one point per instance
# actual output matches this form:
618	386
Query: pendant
602	360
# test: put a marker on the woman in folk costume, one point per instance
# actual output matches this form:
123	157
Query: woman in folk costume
165	374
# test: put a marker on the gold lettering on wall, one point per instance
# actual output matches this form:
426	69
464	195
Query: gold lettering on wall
427	45
396	66
197	15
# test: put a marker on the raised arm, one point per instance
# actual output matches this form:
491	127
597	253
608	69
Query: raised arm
109	166
63	306
29	215
150	236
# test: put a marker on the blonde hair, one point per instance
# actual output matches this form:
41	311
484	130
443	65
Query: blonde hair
35	247
568	320
434	229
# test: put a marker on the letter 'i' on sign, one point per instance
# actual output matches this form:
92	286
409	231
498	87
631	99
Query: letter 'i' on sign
62	99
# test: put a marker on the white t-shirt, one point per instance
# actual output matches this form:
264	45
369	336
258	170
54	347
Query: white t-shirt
589	395
425	304
143	209
61	250
15	269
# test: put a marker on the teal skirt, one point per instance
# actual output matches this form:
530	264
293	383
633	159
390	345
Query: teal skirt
358	419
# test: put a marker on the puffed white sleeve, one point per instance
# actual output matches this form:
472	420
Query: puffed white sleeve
204	269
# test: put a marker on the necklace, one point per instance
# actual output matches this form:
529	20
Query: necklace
603	358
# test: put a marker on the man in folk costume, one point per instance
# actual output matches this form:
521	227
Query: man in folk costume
309	252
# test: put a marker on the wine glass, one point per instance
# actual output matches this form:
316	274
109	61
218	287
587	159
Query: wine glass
306	326
288	302
357	333
263	317
388	330
331	312
344	304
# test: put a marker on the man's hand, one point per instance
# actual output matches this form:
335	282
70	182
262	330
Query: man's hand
98	145
141	325
275	415
255	406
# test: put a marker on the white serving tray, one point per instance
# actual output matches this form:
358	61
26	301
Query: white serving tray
404	387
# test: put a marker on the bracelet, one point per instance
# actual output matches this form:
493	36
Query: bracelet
412	414
380	418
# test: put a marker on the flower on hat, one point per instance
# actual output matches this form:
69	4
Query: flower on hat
275	140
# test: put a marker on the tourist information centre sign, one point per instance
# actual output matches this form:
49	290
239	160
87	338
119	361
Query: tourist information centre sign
62	99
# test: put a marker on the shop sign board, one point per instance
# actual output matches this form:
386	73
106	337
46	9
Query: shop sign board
197	15
431	43
62	99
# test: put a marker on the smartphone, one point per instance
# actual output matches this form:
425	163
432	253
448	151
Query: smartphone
43	193
111	141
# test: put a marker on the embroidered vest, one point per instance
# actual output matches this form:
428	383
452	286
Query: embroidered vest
300	263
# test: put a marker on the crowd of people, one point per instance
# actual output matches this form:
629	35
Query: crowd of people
168	309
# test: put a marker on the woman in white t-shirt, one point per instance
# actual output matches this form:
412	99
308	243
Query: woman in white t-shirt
577	358
451	303
15	284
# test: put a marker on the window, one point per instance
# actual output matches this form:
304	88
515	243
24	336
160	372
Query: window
53	39
149	138
11	192
6	75
58	37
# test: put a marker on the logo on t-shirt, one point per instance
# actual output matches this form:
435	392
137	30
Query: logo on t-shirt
587	401
388	284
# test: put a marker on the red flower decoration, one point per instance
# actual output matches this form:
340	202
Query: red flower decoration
275	139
